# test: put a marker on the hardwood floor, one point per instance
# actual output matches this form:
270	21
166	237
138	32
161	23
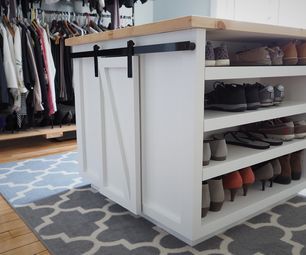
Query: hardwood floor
19	149
15	237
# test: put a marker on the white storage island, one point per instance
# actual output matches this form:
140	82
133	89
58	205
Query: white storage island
141	119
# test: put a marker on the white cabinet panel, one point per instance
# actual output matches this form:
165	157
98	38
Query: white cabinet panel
108	128
119	97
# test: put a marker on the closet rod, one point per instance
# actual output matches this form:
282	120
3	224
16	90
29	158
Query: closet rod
80	14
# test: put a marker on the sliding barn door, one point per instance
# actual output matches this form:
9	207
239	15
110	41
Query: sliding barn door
110	129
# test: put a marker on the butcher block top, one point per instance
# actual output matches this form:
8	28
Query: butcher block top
217	29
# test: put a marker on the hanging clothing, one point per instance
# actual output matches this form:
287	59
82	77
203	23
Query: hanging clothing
18	60
50	68
37	94
13	9
40	68
68	67
27	64
63	91
9	69
4	97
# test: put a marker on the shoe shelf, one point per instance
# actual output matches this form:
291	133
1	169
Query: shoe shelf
144	147
245	207
240	157
248	72
214	120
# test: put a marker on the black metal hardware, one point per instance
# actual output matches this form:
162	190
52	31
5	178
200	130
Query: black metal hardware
96	50
131	51
130	54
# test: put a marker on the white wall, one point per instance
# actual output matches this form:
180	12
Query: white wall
277	12
167	9
144	12
292	13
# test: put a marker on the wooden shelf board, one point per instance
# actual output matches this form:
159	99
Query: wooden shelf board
214	120
240	157
248	72
48	132
243	208
218	29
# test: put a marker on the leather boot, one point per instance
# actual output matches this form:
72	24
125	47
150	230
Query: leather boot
296	165
285	176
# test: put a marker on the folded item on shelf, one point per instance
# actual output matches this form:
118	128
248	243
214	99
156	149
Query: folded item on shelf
238	138
262	137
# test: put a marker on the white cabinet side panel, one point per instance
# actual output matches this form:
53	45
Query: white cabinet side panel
172	92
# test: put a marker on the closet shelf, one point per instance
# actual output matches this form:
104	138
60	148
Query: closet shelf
214	120
248	72
48	132
243	208
241	157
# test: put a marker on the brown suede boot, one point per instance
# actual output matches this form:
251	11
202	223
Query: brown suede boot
285	176
216	192
277	170
296	165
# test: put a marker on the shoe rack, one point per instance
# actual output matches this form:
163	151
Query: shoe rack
143	145
256	201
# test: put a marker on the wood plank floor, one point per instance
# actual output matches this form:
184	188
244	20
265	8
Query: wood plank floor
33	147
15	237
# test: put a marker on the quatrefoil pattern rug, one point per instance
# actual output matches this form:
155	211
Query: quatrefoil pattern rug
82	221
29	180
75	221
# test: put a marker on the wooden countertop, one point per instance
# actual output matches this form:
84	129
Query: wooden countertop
231	30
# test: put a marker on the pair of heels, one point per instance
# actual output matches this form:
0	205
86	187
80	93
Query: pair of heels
238	179
212	195
280	170
267	171
215	149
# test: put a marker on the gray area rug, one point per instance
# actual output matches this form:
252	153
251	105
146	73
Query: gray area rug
82	221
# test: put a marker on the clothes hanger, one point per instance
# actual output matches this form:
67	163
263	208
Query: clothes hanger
76	26
71	28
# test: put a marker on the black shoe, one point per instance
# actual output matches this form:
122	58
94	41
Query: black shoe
227	97
252	96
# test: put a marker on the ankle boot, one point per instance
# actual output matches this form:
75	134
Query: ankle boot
277	169
233	182
205	198
263	172
296	165
218	148
248	178
285	176
216	192
206	153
